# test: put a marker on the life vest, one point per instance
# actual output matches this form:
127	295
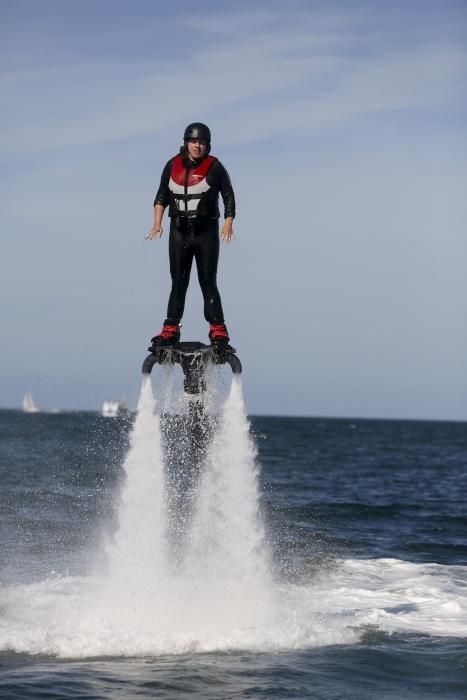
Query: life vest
189	184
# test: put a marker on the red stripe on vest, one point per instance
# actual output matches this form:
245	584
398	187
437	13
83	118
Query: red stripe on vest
195	175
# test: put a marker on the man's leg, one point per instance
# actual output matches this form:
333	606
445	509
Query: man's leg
181	258
207	257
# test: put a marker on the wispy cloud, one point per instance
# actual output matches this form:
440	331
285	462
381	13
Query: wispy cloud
266	73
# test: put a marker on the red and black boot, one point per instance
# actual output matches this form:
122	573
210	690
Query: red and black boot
218	334
169	335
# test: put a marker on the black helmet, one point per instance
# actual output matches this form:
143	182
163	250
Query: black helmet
197	131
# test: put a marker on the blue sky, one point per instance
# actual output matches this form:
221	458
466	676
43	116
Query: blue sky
343	126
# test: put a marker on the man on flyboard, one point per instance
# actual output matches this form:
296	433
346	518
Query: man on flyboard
190	185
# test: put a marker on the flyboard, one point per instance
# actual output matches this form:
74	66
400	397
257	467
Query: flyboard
194	358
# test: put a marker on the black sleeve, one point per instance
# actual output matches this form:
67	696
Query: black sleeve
163	193
226	190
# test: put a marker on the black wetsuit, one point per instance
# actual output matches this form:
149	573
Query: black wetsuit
196	236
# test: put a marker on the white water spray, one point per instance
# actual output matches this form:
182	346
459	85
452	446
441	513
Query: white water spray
229	554
136	556
222	586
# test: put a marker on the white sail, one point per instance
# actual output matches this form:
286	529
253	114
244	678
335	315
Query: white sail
28	404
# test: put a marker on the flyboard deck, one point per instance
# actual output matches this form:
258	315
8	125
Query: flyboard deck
193	357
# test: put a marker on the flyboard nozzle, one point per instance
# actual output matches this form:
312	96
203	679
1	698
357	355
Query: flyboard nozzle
193	357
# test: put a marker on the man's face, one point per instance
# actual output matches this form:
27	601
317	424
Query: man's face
196	148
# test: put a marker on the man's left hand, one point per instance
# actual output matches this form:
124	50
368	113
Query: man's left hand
227	233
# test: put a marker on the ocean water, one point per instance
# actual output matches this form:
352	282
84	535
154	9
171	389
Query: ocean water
262	557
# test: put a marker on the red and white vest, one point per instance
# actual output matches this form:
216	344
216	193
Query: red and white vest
188	184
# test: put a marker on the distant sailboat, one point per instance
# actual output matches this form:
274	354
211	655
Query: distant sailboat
28	404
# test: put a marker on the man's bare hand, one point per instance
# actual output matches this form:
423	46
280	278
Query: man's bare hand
155	232
227	233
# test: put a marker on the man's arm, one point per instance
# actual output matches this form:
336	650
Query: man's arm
228	198
161	201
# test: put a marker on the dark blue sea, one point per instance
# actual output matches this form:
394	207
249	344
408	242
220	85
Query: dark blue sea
361	525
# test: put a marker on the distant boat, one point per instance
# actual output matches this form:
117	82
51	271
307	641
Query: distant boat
28	404
112	409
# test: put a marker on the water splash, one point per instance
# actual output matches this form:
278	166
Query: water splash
136	557
229	552
218	593
217	581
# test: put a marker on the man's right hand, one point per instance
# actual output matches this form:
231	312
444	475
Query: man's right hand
155	232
